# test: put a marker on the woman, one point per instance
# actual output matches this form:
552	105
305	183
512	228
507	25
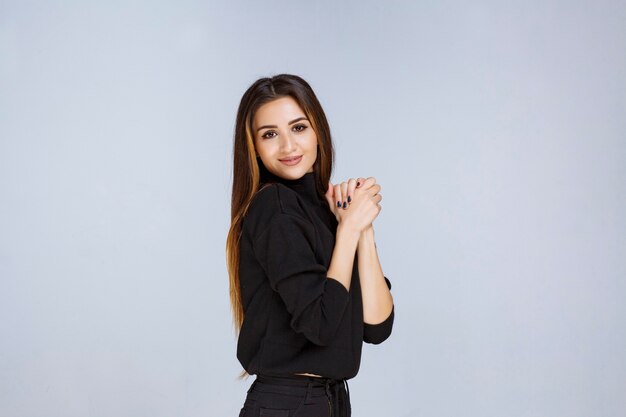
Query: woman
306	286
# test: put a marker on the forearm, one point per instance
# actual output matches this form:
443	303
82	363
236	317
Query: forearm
377	299
342	261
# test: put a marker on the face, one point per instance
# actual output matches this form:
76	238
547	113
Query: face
284	138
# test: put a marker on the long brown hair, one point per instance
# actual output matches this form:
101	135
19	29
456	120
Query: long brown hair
247	178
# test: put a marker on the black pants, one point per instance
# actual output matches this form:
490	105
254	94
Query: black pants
297	396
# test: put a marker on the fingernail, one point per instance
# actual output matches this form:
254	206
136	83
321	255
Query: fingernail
349	199
358	183
338	203
344	204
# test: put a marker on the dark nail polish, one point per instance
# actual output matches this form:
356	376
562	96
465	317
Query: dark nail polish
339	204
345	204
349	199
358	183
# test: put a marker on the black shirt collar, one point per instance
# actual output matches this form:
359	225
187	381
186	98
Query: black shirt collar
304	186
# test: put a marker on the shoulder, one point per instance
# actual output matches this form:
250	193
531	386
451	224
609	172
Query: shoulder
276	197
272	201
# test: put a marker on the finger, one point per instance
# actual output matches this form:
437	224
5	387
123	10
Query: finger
329	195
373	190
359	182
330	190
368	182
344	195
351	186
337	196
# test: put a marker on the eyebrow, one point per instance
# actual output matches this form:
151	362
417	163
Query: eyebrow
291	122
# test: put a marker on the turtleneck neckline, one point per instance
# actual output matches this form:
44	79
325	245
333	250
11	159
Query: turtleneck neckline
304	186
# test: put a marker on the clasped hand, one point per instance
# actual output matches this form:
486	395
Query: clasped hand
355	205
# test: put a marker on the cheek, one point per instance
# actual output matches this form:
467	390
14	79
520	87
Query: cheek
312	141
264	149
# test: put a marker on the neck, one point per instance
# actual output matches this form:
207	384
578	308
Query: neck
305	186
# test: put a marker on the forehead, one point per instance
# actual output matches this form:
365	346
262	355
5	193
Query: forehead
279	111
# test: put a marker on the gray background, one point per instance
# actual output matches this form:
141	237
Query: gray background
497	132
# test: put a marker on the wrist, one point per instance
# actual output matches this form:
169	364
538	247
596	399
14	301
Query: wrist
347	229
366	238
367	232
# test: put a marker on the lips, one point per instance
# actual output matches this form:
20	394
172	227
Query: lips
290	159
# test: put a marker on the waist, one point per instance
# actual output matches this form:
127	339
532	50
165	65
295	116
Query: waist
297	380
307	388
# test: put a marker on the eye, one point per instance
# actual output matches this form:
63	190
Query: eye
300	127
267	134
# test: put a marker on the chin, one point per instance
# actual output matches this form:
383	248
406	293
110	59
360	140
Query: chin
292	175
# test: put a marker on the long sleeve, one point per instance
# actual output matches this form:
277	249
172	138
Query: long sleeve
285	250
297	318
378	333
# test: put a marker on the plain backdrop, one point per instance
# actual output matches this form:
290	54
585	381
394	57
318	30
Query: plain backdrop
497	131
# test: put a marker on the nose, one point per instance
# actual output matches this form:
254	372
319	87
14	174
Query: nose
287	144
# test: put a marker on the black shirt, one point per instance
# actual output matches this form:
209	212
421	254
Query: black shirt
296	320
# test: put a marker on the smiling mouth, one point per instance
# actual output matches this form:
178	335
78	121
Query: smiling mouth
293	158
293	161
